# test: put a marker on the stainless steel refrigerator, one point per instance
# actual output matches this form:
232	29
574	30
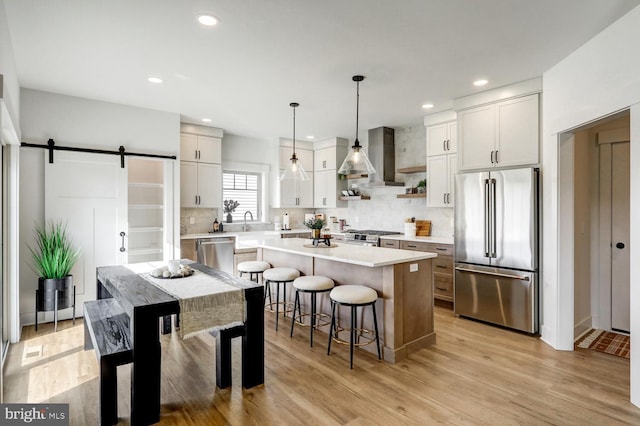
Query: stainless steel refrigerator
496	247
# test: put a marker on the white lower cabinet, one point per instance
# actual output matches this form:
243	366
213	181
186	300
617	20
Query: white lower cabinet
441	170
200	185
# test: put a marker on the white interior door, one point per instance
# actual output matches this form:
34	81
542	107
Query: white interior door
88	192
620	236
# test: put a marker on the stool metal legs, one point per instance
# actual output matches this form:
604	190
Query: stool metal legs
267	290
353	332
296	303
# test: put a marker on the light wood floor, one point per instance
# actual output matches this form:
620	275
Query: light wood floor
474	374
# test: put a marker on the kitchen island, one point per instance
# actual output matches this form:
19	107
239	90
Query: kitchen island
402	278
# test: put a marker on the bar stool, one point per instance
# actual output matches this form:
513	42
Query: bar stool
254	268
279	276
312	284
353	296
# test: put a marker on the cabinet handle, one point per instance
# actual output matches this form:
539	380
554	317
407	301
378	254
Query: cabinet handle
440	266
448	198
444	145
492	157
324	164
324	201
444	198
497	161
441	249
448	149
411	245
442	289
122	249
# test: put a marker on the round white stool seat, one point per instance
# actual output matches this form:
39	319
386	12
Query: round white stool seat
313	283
280	274
253	266
353	294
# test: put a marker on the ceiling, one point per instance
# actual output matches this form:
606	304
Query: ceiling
244	72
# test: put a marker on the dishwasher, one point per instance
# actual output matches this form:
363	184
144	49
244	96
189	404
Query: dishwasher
216	253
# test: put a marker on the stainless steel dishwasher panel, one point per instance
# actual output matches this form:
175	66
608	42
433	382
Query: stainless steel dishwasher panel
216	253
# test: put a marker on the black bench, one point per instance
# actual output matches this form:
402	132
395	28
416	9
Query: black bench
106	330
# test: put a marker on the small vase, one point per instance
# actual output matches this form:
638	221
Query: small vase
315	233
229	218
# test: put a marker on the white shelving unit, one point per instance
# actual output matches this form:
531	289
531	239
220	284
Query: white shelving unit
146	213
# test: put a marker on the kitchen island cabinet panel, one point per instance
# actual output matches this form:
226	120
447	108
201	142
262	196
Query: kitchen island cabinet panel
404	286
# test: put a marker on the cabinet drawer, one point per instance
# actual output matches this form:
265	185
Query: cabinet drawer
443	286
389	243
413	245
443	249
443	265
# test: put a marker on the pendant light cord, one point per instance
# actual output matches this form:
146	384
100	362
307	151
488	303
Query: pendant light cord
357	108
294	130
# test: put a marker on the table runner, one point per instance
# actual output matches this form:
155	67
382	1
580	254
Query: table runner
206	302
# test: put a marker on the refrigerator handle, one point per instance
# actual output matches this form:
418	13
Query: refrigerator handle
495	274
487	214
493	218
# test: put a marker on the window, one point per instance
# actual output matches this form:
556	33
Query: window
245	188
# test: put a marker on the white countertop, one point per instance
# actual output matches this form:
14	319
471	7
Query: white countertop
244	235
436	240
347	253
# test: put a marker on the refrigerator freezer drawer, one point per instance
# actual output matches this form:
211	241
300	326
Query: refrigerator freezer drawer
499	296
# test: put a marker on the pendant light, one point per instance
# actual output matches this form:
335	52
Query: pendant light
357	162
294	170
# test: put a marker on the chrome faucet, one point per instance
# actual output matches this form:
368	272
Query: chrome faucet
245	227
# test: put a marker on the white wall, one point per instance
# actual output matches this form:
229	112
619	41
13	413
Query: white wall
601	77
10	92
79	122
582	232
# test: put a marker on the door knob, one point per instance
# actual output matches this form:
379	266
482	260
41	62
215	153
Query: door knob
620	245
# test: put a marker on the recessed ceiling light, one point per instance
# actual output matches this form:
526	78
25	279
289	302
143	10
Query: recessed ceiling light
427	106
155	80
311	137
206	120
480	82
208	20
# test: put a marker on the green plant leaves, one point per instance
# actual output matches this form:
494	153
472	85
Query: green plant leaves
55	254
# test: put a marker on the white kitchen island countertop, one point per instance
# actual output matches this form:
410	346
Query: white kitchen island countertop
346	253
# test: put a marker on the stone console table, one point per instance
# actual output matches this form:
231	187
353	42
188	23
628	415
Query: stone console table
402	278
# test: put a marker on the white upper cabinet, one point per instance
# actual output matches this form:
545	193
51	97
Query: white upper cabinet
200	171
441	170
442	138
441	163
517	132
200	185
202	149
327	185
294	193
325	159
502	134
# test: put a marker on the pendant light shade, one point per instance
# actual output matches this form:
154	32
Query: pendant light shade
357	162
294	169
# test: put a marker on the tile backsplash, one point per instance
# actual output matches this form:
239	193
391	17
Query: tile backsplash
384	211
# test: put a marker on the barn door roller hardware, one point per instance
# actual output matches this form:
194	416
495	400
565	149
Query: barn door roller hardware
51	146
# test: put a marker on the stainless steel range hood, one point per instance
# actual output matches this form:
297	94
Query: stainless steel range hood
382	154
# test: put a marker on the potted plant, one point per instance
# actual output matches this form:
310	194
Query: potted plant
422	186
230	206
316	224
53	259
